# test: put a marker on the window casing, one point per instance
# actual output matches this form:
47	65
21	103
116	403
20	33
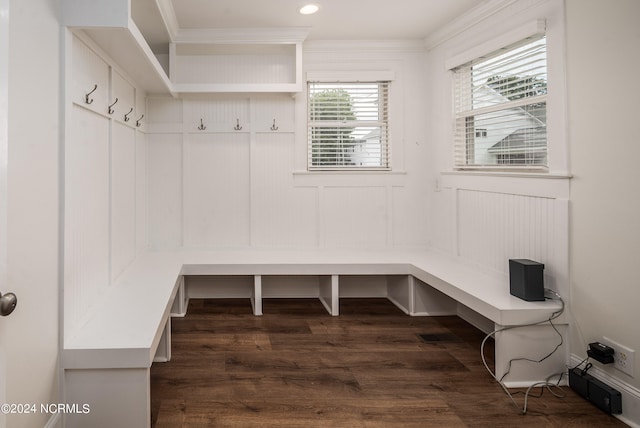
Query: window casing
501	108
348	126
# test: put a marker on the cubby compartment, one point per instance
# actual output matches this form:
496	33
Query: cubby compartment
233	61
233	67
408	293
219	286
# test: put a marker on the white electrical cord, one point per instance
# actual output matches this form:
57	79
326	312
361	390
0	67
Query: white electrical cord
547	382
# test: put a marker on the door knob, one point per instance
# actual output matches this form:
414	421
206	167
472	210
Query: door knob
8	303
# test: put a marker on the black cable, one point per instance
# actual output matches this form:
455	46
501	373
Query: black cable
545	383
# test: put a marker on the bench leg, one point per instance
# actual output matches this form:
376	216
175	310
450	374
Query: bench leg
256	298
534	343
330	294
163	351
115	398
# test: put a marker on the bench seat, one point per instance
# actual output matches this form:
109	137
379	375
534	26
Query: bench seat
121	336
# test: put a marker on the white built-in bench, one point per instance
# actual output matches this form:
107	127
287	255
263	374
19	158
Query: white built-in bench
107	358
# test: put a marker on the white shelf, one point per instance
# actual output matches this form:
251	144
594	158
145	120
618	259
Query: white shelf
200	61
255	60
109	24
129	50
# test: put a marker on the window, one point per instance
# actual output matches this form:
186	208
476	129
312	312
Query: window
348	125
501	108
481	132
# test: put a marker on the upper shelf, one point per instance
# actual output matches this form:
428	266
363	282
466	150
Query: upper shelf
200	61
234	65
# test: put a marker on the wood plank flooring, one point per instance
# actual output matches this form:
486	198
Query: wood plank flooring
297	366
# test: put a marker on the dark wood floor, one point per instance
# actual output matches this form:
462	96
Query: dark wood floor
296	366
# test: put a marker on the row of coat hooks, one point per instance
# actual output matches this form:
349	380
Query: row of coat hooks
237	127
110	110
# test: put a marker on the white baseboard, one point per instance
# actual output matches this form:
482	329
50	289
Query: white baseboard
630	394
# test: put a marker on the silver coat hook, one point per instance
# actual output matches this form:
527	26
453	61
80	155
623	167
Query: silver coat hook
237	127
86	96
8	303
201	126
138	121
111	110
274	127
126	116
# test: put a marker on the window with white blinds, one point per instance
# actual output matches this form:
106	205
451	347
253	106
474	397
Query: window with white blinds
348	125
501	108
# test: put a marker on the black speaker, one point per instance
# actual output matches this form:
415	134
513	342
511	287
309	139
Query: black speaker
525	279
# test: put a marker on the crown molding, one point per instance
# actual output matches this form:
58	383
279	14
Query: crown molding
242	35
474	16
401	45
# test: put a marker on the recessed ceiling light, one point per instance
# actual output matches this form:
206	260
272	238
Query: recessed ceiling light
309	9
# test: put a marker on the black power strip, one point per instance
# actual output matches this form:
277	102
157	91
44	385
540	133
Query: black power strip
600	352
600	394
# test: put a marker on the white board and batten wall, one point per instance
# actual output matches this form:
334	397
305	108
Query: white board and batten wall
105	176
248	188
221	188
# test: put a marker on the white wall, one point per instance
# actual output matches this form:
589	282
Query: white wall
33	202
585	228
105	224
602	59
250	188
485	217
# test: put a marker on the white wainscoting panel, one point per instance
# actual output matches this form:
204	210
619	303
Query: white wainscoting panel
407	209
444	221
216	190
281	214
241	188
165	190
123	197
86	270
354	216
142	230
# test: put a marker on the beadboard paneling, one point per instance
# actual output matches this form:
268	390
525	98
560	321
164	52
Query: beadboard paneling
89	70
235	69
164	110
124	92
216	190
494	227
221	112
278	108
86	226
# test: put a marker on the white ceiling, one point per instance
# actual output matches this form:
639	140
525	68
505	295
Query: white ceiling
336	19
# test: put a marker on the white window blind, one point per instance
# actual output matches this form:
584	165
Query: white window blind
501	108
348	125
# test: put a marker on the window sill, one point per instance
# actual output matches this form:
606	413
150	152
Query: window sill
349	178
517	174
